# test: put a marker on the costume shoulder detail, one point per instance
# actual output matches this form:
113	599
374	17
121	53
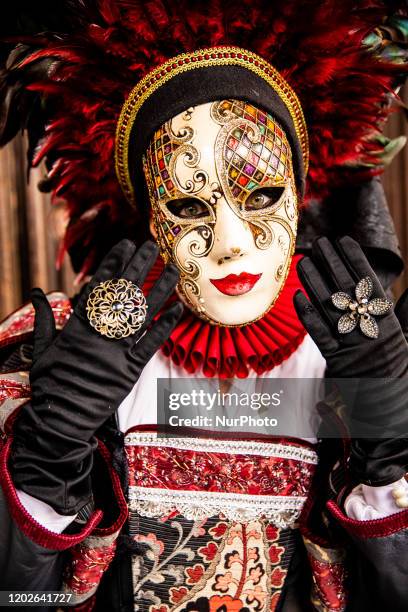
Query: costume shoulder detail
18	325
15	354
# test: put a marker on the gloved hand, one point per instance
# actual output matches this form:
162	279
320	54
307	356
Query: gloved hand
379	406
78	380
401	312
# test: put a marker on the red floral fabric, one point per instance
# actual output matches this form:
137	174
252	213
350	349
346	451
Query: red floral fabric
172	468
226	550
330	575
14	392
89	560
13	389
208	565
20	323
328	584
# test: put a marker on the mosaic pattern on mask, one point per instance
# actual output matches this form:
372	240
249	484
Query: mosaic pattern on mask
251	151
159	155
255	153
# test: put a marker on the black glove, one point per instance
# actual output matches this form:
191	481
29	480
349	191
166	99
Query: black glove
401	312
78	380
379	406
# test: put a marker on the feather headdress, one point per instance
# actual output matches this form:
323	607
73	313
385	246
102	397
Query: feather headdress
66	76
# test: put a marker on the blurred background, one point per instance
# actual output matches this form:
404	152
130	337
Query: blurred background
30	229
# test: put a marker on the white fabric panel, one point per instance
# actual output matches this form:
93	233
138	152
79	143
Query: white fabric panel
44	514
365	503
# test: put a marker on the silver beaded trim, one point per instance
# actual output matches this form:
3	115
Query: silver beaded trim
282	511
232	447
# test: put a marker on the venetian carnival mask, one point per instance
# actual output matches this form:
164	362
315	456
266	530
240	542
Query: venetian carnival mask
224	207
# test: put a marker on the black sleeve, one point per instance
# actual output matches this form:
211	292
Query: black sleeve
380	563
23	563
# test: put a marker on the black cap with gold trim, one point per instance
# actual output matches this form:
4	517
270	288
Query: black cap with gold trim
194	78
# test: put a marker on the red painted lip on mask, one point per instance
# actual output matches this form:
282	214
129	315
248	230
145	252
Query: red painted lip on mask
234	284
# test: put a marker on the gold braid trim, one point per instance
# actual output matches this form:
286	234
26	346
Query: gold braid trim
215	56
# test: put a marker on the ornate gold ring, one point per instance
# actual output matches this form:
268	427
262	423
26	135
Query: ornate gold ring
116	308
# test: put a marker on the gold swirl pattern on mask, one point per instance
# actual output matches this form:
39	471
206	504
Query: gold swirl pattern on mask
237	167
163	184
202	58
251	151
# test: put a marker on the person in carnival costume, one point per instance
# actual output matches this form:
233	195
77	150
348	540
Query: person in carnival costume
187	140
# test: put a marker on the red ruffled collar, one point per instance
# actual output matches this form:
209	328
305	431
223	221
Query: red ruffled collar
228	352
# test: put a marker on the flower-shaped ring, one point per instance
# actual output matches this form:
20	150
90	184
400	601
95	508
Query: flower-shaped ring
116	308
361	309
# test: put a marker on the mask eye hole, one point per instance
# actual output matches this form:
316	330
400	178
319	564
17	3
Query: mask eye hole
264	197
188	208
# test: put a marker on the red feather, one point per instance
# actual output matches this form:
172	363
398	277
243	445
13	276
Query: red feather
344	87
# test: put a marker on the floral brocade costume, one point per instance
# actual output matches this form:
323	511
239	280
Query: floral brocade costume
214	523
224	545
231	135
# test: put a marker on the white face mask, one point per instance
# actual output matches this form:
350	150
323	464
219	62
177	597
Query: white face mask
224	207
